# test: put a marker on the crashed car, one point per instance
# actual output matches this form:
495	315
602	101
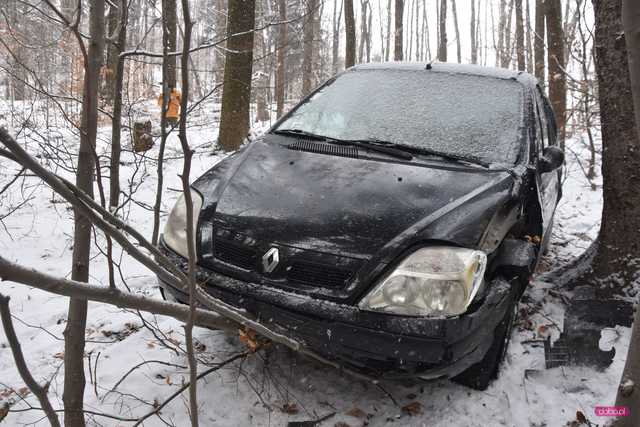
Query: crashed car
390	221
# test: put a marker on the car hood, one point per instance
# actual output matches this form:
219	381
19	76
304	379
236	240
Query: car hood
352	207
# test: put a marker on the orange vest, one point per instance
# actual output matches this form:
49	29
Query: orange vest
173	107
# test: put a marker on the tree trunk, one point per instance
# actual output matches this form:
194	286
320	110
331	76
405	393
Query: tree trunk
398	35
169	18
116	128
520	36
335	45
618	237
108	86
457	29
442	46
388	41
631	23
281	68
350	34
236	91
556	63
308	48
363	29
538	41
474	47
527	32
74	332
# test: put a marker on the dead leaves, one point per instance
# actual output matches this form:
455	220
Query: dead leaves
357	413
413	408
250	338
290	408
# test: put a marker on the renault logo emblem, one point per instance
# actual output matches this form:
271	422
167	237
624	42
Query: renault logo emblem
270	260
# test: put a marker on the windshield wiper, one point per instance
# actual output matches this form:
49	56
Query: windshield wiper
372	145
430	152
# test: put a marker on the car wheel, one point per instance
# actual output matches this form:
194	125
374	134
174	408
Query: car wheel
480	375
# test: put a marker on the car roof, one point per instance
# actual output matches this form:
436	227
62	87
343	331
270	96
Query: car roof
444	67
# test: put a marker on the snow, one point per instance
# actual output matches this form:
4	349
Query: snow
271	389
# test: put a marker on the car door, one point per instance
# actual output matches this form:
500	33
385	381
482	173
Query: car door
548	183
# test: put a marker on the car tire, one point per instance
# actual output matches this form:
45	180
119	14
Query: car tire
481	374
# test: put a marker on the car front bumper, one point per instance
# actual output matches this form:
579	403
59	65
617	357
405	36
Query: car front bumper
379	345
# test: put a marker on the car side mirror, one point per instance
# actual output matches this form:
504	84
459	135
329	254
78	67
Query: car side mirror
552	158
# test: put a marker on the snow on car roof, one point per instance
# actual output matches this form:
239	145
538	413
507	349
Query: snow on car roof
445	67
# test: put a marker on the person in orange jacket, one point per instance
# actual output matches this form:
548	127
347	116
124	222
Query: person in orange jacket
173	106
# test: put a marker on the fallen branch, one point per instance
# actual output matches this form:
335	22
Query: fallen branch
39	391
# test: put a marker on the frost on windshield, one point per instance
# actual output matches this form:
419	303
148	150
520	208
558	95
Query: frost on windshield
453	113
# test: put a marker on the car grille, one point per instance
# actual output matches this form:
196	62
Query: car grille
235	254
298	268
308	274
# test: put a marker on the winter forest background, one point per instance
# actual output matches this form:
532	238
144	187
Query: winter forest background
83	89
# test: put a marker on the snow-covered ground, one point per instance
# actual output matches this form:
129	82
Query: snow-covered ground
284	387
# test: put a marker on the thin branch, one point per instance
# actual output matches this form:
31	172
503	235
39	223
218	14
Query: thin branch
39	391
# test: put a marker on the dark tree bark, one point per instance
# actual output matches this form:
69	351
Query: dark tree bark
350	34
520	36
538	42
116	128
308	47
74	332
398	35
281	67
556	64
363	29
474	42
236	91
457	30
618	67
113	20
527	32
618	238
169	18
442	22
388	41
335	45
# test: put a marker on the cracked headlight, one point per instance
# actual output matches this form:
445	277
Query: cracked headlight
432	281
175	231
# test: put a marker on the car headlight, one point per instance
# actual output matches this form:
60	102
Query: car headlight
432	281
175	231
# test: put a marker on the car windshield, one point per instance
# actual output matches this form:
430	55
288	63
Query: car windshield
458	114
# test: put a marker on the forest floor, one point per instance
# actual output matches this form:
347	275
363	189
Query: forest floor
284	387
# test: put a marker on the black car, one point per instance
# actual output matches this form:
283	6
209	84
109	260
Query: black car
390	221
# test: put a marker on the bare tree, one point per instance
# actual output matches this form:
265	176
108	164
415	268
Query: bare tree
350	34
281	67
629	390
388	40
74	333
335	45
442	24
456	29
519	36
473	34
538	41
527	32
308	47
236	92
556	64
398	34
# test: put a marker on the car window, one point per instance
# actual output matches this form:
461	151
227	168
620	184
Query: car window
546	112
541	124
459	114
